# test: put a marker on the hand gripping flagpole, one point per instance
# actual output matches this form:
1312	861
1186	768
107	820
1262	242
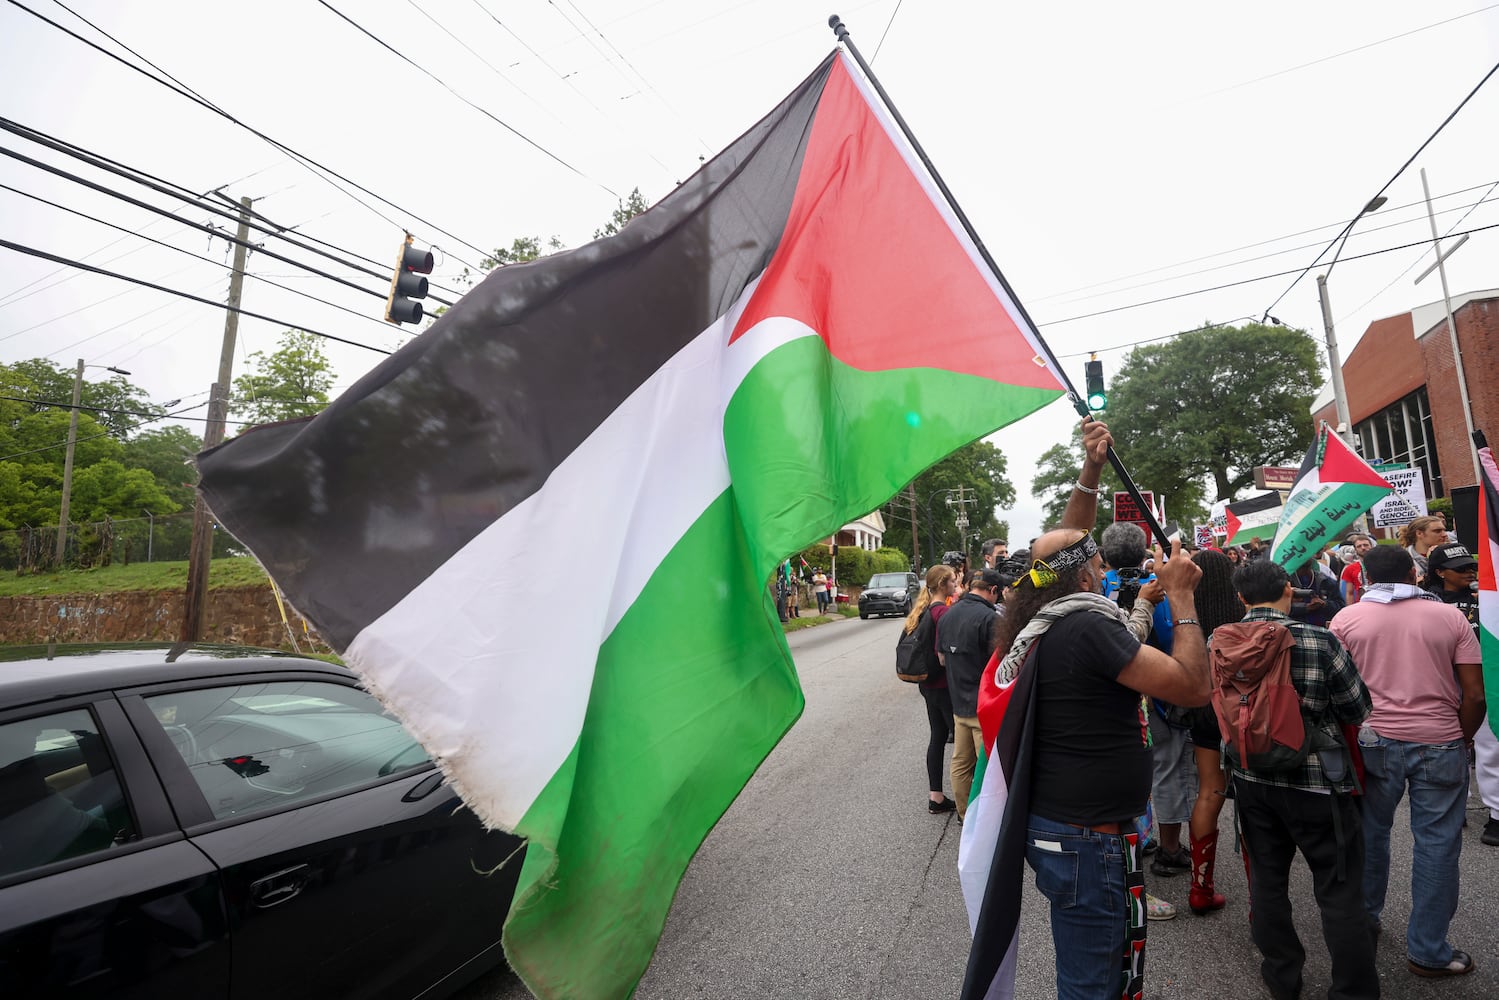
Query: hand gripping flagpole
841	32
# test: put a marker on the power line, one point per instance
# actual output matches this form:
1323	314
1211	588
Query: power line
166	187
109	409
625	59
886	32
565	78
33	252
1247	281
183	91
1346	52
1422	254
177	414
1349	227
1247	246
198	256
211	230
1264	256
483	111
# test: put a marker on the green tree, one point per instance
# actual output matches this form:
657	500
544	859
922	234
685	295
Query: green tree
628	207
1211	405
40	379
291	382
981	469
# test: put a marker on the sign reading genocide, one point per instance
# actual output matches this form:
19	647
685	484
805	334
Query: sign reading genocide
1125	508
1204	536
1407	503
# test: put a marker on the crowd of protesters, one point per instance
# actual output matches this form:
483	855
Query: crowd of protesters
1379	642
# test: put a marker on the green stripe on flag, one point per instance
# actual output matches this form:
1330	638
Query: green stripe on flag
812	441
693	689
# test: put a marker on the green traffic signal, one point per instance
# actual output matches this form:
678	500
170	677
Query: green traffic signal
1098	399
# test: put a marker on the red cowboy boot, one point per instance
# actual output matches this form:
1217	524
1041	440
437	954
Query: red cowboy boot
1202	899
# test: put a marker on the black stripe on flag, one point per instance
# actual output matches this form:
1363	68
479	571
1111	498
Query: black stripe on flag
999	917
350	510
1265	501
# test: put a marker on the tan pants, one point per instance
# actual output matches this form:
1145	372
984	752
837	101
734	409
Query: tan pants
968	743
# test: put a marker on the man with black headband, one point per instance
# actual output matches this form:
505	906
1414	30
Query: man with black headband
1091	760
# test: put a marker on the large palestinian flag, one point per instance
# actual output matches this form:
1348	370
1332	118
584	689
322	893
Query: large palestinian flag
1488	580
1257	517
1333	487
542	531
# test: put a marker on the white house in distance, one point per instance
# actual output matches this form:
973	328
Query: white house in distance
867	533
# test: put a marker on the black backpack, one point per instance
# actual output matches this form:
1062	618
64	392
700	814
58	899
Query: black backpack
916	651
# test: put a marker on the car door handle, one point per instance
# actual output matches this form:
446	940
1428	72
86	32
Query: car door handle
425	787
277	888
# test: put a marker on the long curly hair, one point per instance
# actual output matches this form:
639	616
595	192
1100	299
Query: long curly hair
935	578
1217	603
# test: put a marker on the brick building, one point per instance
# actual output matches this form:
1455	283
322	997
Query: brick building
1402	388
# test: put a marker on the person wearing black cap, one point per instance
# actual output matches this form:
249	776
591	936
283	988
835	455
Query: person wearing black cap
1451	572
965	638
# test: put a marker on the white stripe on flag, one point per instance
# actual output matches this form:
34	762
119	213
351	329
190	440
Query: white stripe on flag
484	665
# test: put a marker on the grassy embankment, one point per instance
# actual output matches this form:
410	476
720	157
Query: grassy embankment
232	572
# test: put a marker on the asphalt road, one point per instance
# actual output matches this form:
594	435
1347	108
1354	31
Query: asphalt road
829	879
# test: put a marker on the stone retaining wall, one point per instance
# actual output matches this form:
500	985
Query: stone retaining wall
245	616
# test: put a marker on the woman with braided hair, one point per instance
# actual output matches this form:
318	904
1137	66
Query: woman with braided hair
1217	604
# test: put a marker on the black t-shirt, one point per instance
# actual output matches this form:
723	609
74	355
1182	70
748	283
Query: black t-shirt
1093	761
1465	601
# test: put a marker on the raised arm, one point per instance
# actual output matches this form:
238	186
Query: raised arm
1082	505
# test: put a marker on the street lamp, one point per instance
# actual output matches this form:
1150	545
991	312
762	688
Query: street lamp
67	465
1339	394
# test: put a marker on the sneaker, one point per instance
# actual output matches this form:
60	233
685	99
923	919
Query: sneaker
1149	846
947	805
1491	833
1460	965
1158	909
1167	864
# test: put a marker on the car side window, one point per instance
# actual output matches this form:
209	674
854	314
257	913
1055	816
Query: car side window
253	747
60	795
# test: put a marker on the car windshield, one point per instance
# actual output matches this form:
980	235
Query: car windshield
887	580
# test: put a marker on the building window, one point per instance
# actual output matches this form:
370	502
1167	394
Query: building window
1402	434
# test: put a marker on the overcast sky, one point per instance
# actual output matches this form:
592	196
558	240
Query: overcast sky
1108	154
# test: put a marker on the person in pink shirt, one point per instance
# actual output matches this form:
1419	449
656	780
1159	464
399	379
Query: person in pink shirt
1424	672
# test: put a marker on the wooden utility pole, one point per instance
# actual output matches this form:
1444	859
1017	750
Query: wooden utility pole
915	546
201	550
67	467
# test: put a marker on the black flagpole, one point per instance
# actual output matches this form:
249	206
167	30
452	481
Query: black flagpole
841	32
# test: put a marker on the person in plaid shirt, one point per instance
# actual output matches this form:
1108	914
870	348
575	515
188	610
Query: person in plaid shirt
1307	809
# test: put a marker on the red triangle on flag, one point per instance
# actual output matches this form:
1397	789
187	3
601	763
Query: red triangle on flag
1340	464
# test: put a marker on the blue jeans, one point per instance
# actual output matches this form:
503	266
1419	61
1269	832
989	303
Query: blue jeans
1082	873
1437	777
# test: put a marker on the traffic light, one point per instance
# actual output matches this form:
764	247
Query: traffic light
1098	399
407	285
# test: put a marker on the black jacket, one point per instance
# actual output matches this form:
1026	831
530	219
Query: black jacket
965	635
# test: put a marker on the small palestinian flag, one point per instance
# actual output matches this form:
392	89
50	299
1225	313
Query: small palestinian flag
1333	487
1257	517
1488	574
991	850
502	525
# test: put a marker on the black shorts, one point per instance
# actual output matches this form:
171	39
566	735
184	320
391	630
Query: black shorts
1203	727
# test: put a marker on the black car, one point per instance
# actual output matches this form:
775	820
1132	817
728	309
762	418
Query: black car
220	822
889	594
